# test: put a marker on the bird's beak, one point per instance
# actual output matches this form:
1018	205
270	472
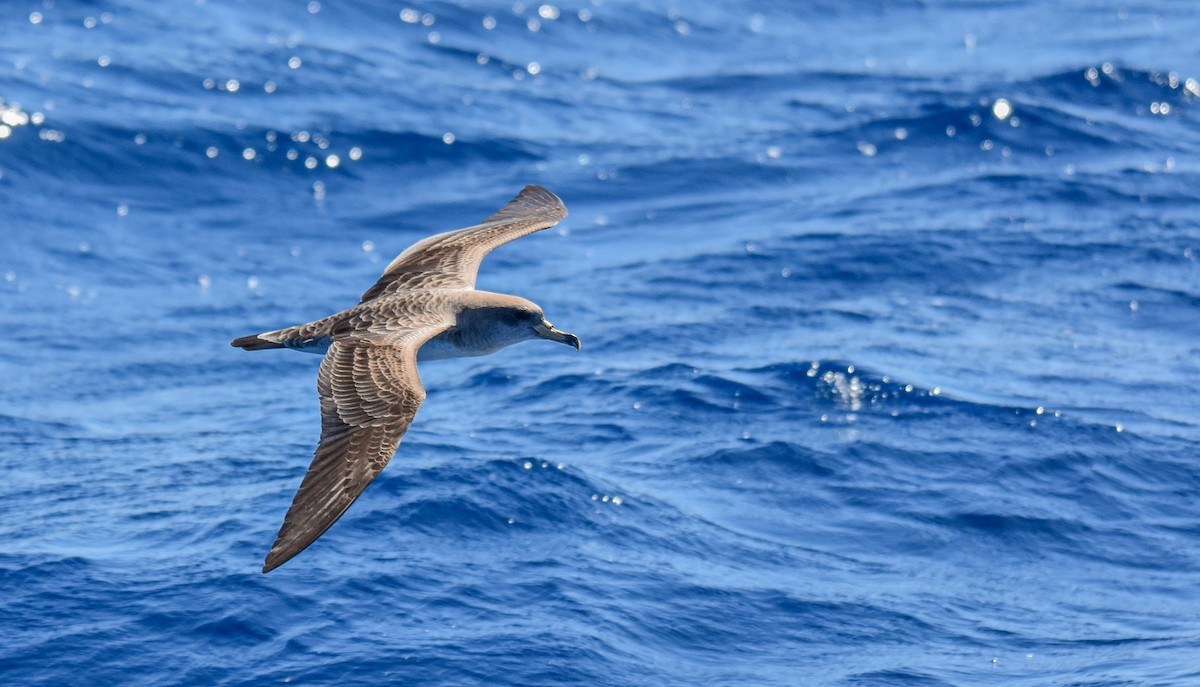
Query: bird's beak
545	330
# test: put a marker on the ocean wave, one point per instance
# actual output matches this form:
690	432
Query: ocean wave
482	498
1065	114
888	322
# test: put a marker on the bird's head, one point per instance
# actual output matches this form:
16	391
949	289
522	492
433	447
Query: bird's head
530	315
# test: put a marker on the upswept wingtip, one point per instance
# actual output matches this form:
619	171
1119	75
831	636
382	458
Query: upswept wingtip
544	195
532	202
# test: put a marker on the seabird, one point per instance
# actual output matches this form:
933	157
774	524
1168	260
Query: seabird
424	307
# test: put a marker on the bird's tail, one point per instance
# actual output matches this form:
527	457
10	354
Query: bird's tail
255	342
312	337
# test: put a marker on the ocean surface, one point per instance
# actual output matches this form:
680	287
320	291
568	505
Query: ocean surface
891	340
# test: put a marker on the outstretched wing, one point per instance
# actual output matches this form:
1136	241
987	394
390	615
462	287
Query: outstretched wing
369	395
451	260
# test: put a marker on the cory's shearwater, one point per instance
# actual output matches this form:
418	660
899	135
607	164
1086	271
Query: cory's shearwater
424	307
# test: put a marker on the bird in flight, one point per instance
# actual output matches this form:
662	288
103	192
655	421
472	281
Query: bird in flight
424	307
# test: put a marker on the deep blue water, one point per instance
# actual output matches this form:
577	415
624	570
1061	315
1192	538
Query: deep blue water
891	338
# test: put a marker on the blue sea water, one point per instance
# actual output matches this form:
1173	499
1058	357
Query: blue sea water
890	318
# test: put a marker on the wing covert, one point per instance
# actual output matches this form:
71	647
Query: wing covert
451	259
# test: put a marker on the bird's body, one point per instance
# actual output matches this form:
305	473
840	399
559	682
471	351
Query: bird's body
424	307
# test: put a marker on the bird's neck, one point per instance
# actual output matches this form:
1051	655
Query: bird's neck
480	328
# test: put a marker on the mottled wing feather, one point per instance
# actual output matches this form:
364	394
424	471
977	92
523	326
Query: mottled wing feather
451	260
369	395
